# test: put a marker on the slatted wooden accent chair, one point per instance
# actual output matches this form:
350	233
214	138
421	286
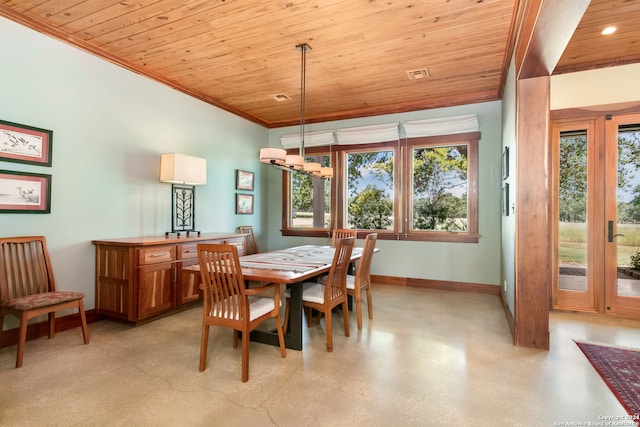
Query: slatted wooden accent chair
27	287
250	244
324	298
336	234
341	233
229	303
361	281
250	248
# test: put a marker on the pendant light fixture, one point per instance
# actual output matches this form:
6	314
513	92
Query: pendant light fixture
295	162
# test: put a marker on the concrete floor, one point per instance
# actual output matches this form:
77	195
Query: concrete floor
428	358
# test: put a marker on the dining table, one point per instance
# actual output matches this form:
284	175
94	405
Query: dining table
290	267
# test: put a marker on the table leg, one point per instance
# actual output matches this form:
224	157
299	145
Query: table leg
293	338
351	271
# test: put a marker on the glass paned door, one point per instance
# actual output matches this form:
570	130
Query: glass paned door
596	166
576	184
622	281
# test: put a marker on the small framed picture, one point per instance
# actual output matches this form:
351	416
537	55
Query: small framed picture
505	163
22	192
25	144
244	204
244	180
505	199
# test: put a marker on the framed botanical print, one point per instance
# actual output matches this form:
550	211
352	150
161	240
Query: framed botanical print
244	204
244	180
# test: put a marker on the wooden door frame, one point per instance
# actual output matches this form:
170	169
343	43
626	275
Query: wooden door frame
591	300
612	304
604	127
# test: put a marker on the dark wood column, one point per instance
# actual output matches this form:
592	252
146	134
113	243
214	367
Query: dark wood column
547	27
533	231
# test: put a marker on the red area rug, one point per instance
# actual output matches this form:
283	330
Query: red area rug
620	369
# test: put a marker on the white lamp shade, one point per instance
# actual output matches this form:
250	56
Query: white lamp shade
182	169
275	155
311	167
294	161
326	172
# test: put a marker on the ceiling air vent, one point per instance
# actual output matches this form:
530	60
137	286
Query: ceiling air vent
281	97
422	73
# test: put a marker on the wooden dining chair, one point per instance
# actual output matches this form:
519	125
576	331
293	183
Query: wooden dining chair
27	288
361	280
250	244
336	234
341	233
229	303
325	297
250	248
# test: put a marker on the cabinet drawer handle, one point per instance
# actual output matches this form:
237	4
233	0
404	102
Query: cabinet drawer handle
158	255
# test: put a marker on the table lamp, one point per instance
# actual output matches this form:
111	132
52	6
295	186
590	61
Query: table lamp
184	173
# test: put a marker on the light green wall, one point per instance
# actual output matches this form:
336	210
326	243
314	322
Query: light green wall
109	128
458	262
509	222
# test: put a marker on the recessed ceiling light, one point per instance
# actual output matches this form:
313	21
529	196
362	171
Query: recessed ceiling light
281	97
609	30
422	73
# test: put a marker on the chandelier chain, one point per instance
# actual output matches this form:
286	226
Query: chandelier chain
304	47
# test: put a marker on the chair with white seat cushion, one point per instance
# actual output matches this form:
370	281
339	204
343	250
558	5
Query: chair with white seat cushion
324	298
341	233
361	281
229	303
250	244
250	247
337	234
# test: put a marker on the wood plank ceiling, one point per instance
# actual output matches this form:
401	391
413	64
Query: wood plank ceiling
238	54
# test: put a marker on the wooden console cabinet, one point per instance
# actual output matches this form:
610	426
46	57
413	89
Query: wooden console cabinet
140	278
